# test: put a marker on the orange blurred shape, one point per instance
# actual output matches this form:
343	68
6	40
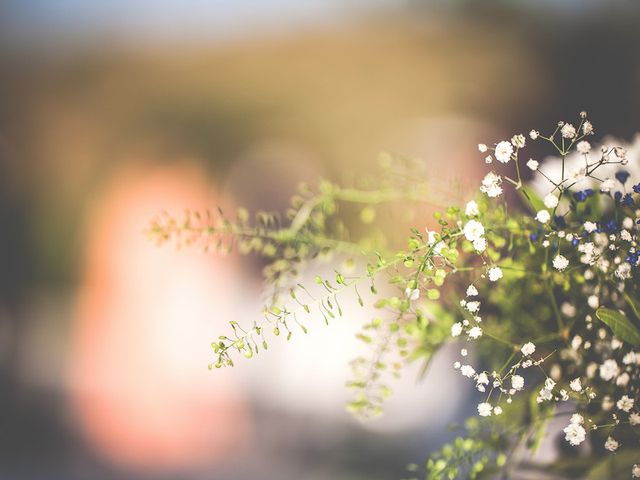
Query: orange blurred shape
146	316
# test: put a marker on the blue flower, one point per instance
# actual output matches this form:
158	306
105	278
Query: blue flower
617	196
611	226
636	188
627	200
534	237
559	221
575	242
582	195
622	176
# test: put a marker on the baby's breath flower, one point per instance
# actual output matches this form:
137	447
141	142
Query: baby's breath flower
575	385
534	134
517	382
635	471
467	370
634	419
475	333
568	130
503	151
480	245
583	147
575	434
611	444
560	262
495	274
497	410
550	201
625	403
472	291
587	128
609	369
482	147
533	164
456	329
491	185
543	216
528	349
471	210
473	230
484	409
590	227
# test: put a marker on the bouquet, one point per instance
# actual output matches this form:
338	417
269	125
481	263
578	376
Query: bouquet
537	281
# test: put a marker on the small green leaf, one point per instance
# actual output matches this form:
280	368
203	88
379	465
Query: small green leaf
619	325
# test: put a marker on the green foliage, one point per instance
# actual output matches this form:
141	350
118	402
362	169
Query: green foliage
620	325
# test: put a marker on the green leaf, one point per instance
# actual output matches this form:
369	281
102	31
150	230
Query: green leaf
619	325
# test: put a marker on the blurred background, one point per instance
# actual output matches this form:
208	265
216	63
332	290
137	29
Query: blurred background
113	111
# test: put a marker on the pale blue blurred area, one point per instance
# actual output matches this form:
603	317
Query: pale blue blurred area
174	20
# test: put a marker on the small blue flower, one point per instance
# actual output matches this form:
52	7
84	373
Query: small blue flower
611	226
617	196
627	200
575	242
622	176
534	237
559	221
582	195
636	188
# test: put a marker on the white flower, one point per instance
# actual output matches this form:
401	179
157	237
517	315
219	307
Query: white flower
590	227
480	245
631	358
560	262
607	403
575	385
518	141
575	434
488	159
472	291
577	419
412	294
568	130
550	201
484	409
467	371
543	216
607	185
482	147
534	134
625	403
482	379
549	384
623	379
587	128
473	307
471	210
528	349
533	164
593	301
503	151
609	369
456	329
583	147
635	471
491	185
475	332
611	444
497	410
495	274
473	230
517	382
634	419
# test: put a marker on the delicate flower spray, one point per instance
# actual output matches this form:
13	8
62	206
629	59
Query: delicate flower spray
546	292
